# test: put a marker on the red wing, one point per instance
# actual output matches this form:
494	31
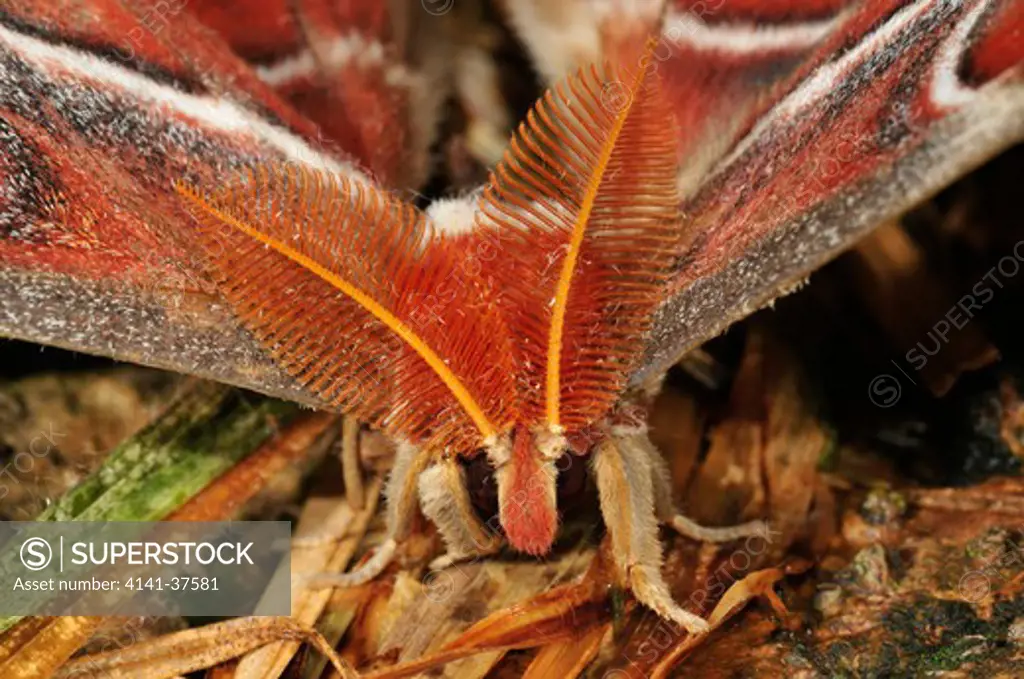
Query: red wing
901	99
584	209
103	107
333	277
725	60
719	60
348	68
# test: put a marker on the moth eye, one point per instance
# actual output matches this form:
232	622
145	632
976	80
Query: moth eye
573	478
575	485
480	482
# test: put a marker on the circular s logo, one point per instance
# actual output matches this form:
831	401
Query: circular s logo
36	554
884	391
974	586
438	586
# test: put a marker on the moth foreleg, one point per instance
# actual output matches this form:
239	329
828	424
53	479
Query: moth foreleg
400	495
445	500
670	516
625	487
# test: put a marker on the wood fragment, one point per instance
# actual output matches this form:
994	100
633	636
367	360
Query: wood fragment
567	658
197	649
229	492
337	517
551	616
202	434
754	585
36	647
764	455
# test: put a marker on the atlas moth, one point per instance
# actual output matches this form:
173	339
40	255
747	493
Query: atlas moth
513	341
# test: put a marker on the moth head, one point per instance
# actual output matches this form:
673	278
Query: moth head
524	462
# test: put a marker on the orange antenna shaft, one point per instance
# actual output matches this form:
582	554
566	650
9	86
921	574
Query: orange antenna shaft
556	331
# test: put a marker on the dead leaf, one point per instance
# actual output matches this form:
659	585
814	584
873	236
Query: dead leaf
197	649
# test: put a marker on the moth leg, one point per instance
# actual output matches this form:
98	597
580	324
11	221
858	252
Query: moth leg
670	516
350	463
400	495
444	499
626	491
689	528
348	456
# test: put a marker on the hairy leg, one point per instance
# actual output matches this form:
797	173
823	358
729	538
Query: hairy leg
350	464
626	490
665	508
400	495
445	500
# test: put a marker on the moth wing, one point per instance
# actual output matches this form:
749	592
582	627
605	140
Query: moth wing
898	101
99	116
369	74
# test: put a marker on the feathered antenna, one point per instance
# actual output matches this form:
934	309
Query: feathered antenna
585	207
334	277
